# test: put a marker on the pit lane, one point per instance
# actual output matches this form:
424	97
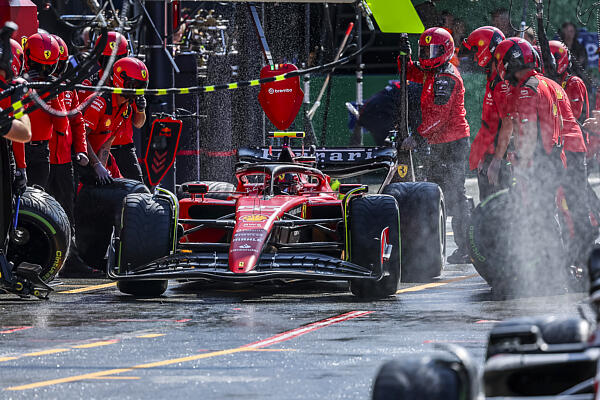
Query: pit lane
292	341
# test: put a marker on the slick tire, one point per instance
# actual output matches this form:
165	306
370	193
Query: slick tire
422	229
368	216
528	330
213	187
146	234
43	234
97	210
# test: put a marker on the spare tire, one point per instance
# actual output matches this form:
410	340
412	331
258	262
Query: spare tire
146	234
422	228
216	190
43	234
97	210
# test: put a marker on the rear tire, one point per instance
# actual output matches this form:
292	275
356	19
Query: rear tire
146	234
43	234
97	211
368	217
422	228
213	187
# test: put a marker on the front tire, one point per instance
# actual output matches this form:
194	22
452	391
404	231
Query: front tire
146	234
43	234
368	217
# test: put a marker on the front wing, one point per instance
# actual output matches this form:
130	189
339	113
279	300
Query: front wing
215	266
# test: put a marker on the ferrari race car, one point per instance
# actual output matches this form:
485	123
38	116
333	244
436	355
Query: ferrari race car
283	220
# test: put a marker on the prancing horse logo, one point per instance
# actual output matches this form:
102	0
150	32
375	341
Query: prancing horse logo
402	170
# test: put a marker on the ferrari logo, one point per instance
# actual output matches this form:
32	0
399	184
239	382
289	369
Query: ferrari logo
23	41
107	123
112	45
61	50
144	74
402	170
427	39
241	264
47	54
564	84
254	218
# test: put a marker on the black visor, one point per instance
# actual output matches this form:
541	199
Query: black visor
134	84
431	51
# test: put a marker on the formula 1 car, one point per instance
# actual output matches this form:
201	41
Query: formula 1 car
283	220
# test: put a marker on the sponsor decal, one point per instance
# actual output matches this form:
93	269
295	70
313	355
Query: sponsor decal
112	45
144	74
254	218
47	54
428	39
241	264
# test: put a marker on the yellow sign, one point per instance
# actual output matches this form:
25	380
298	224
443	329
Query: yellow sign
254	218
402	170
396	16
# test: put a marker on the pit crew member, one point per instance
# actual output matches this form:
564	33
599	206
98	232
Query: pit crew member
443	125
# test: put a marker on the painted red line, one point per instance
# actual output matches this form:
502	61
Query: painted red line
13	329
208	153
294	333
486	321
183	320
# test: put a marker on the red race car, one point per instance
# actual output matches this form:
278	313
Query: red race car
283	220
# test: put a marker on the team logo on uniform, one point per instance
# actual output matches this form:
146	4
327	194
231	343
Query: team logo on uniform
254	218
427	39
481	43
402	170
112	45
554	110
559	94
564	84
144	74
47	54
107	123
561	50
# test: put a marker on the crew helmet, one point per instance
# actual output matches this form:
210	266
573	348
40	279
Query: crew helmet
483	41
63	55
130	73
436	47
562	56
17	61
514	55
114	40
41	52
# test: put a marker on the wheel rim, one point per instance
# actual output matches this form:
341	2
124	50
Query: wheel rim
30	244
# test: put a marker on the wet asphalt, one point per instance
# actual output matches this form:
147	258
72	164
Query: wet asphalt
292	341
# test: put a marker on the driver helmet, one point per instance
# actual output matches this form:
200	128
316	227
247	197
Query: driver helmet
436	48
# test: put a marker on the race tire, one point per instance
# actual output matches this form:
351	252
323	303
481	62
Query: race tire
213	187
368	216
552	330
43	234
422	229
97	211
146	234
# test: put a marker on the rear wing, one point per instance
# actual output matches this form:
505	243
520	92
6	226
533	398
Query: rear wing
337	162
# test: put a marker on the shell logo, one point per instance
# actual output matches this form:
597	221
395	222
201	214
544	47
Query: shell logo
112	45
428	39
480	43
144	74
254	218
107	123
561	50
498	56
47	54
119	69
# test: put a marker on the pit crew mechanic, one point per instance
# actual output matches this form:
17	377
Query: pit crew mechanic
539	156
443	125
108	112
41	52
60	181
483	42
